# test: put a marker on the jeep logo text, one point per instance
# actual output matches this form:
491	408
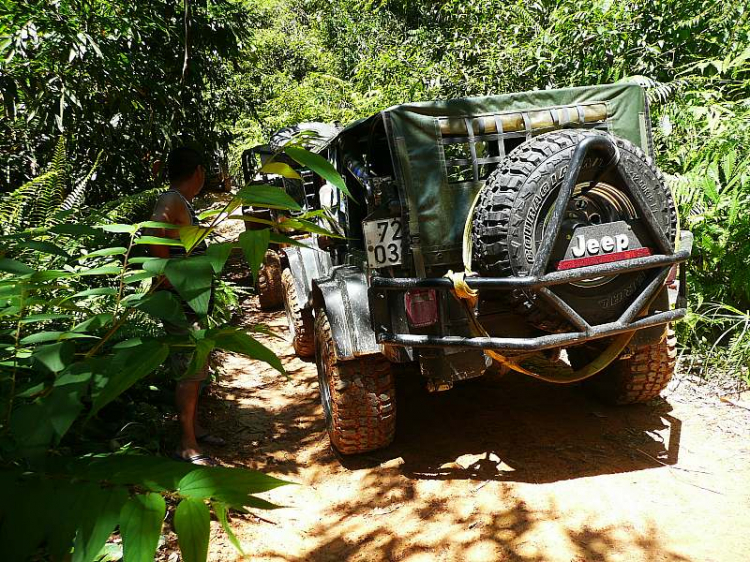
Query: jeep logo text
607	244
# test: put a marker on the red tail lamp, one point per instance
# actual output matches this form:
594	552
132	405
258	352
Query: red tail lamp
421	307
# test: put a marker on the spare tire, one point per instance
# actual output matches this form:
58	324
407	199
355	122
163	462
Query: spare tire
517	200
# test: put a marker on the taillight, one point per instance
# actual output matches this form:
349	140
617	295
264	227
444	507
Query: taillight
421	307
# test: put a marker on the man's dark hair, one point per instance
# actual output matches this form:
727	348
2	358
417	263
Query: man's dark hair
182	163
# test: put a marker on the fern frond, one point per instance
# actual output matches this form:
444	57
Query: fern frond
52	192
18	208
76	197
132	208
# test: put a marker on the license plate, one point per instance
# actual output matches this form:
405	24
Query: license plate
383	240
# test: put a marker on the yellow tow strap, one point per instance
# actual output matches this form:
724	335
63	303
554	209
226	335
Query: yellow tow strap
539	366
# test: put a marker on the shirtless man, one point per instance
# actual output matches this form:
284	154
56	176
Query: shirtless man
186	174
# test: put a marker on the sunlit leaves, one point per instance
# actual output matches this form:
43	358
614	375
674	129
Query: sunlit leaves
319	165
140	526
254	244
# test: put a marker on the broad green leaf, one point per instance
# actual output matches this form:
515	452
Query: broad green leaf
14	266
98	515
136	277
163	305
51	274
93	323
141	520
96	292
218	254
119	228
115	251
203	349
319	165
75	230
23	527
157	265
192	278
157	224
220	509
254	244
267	196
154	473
157	241
46	247
55	356
191	236
308	226
104	270
234	339
280	169
42	337
43	317
192	522
277	238
233	486
134	363
141	259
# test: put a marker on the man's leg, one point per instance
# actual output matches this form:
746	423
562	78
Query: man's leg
186	398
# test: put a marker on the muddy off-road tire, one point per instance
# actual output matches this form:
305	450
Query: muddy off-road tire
270	295
642	373
358	396
509	219
300	319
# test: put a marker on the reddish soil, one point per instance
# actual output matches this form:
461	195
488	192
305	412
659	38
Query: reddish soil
502	468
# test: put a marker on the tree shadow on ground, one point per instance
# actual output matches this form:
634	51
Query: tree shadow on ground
516	428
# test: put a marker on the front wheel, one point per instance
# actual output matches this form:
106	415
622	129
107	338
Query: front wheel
299	319
269	282
358	396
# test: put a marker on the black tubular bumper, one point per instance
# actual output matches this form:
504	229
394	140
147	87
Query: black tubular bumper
658	266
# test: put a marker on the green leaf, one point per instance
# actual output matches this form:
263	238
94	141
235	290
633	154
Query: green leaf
104	270
157	224
319	165
192	522
56	356
156	265
75	230
140	526
132	364
220	509
51	274
140	276
218	254
96	292
98	515
42	317
234	339
163	305
42	337
233	486
46	247
191	236
94	323
267	196
192	278
158	241
203	349
277	238
14	266
115	251
280	169
119	228
254	244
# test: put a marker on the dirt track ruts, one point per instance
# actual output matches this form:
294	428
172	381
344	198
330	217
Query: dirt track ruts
502	468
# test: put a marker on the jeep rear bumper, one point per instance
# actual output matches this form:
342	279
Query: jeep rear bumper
629	320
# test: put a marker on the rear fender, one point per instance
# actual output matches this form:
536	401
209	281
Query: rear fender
343	296
306	265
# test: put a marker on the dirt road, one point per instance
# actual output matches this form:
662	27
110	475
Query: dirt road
503	468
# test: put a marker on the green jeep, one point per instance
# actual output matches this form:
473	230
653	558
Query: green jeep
528	232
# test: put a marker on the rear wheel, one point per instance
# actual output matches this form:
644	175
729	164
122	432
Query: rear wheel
300	319
358	396
639	376
268	286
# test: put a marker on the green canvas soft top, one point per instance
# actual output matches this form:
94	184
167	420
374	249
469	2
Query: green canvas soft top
427	140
